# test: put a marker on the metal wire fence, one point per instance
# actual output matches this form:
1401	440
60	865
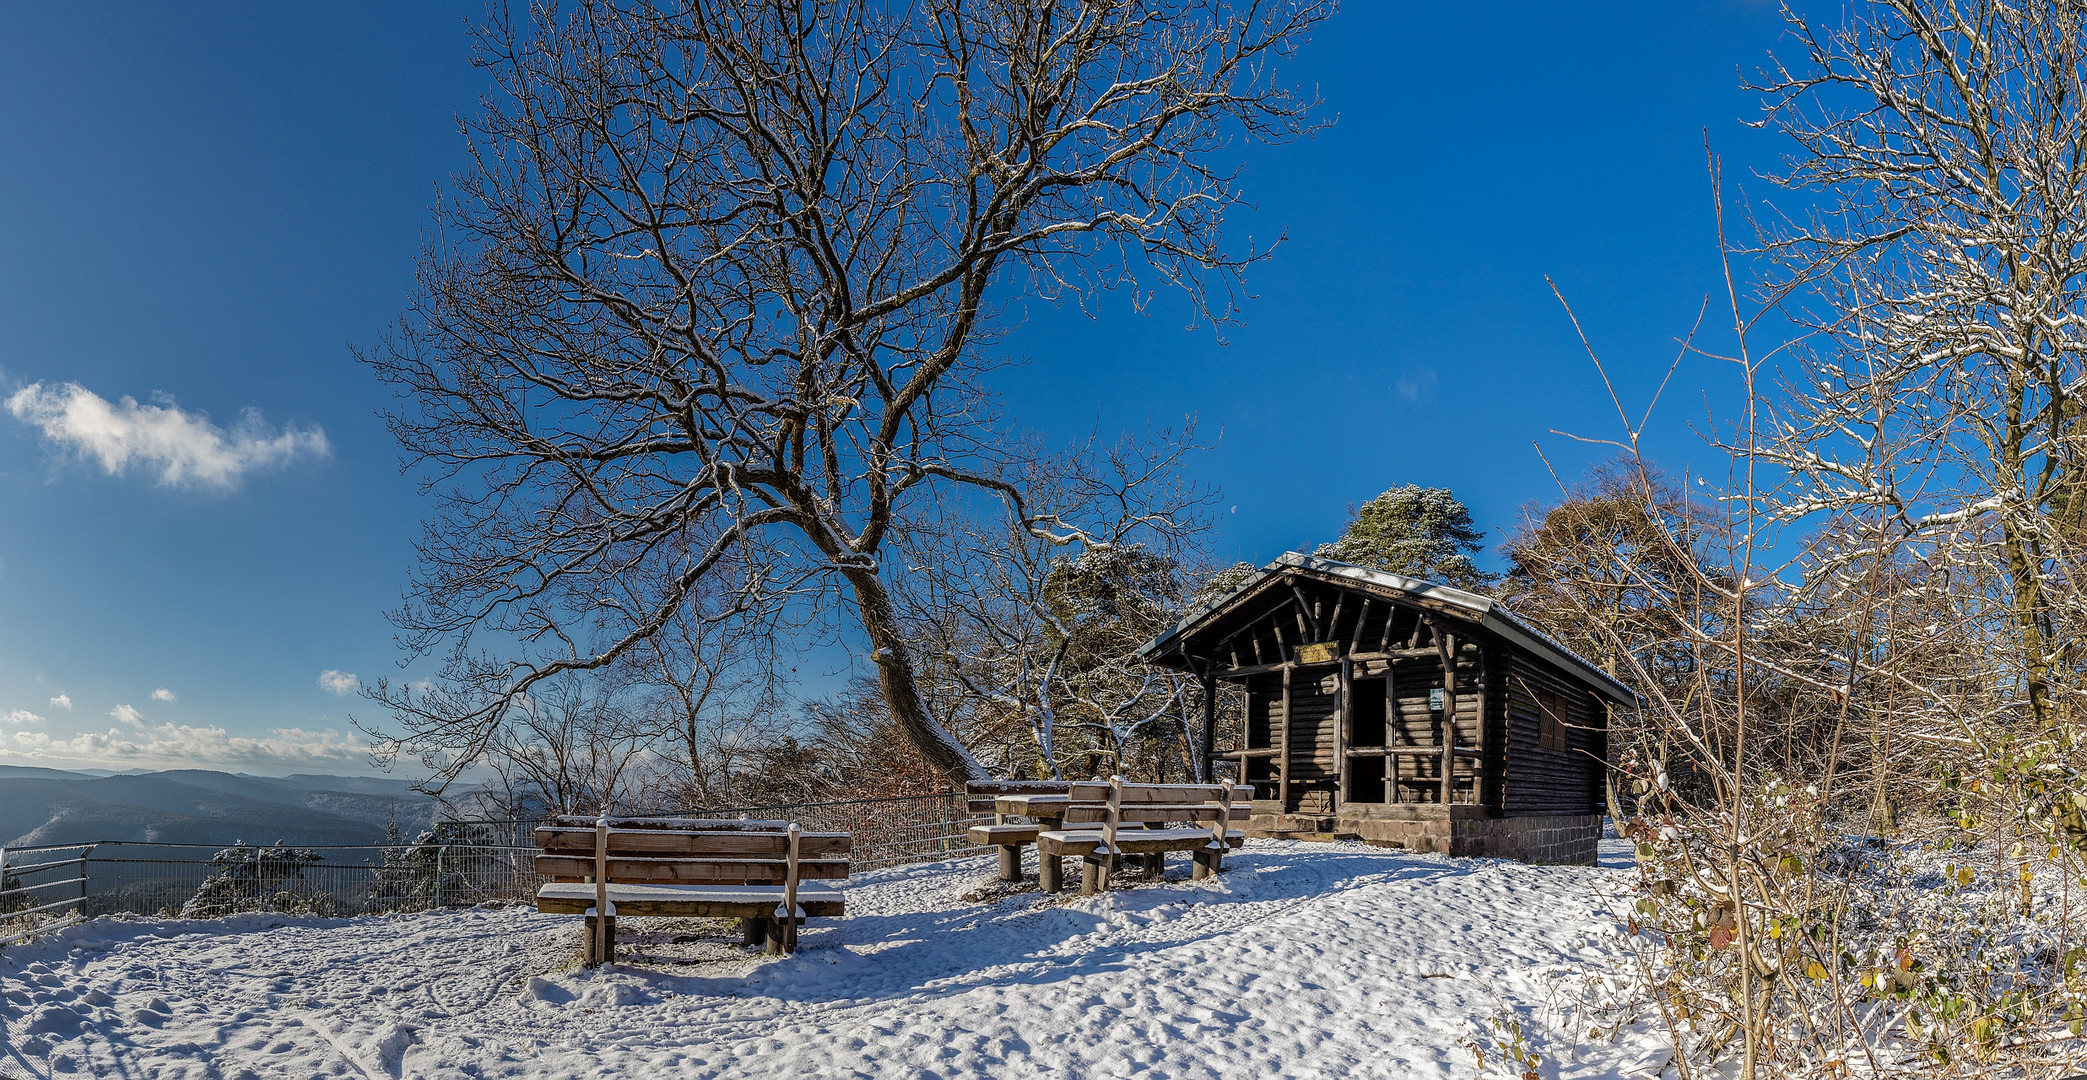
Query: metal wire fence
461	863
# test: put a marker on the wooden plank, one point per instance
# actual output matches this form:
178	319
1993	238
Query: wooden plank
1003	835
688	870
1148	793
990	789
581	821
661	842
1081	814
1131	842
715	903
1031	805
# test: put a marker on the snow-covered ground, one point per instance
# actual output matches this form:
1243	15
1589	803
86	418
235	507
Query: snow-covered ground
1303	960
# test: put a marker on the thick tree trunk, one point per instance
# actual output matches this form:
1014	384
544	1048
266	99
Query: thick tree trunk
901	687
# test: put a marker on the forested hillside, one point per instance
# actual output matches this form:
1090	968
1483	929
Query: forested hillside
193	806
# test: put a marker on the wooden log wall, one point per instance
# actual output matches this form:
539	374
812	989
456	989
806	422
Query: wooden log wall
1294	641
1541	779
1315	697
1412	723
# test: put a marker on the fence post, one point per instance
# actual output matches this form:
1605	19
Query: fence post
439	850
84	856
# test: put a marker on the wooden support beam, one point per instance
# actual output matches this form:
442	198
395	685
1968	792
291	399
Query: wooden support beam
1355	636
1333	621
1391	616
1252	669
1485	700
1282	786
1448	643
1209	763
1305	632
1341	734
1392	730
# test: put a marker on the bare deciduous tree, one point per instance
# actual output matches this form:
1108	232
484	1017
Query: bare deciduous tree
1028	639
1944	273
720	275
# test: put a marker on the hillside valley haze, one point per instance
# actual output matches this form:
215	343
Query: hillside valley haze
199	806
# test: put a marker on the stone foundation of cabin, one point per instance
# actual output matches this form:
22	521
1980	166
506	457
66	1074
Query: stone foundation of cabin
1456	829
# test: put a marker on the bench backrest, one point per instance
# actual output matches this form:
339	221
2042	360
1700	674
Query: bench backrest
656	851
1141	804
979	794
1108	805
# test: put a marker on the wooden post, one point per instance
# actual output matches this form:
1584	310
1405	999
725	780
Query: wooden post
1282	784
1210	860
1210	726
1394	732
788	912
1098	874
1049	871
602	940
1446	644
1485	701
1342	735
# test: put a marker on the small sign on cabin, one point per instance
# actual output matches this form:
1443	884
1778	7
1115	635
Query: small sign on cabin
1318	652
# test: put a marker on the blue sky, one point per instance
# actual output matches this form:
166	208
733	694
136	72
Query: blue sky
205	206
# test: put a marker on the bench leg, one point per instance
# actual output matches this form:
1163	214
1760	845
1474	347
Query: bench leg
1208	863
1094	875
595	956
782	936
1050	872
753	931
1010	863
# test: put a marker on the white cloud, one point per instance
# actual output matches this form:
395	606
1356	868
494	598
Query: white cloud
128	715
184	447
1416	385
338	682
20	716
181	745
163	694
62	701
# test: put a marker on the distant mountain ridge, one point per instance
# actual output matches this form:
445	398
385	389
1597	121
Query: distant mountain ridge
202	806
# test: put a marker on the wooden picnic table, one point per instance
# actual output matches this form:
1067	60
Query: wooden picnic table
1048	811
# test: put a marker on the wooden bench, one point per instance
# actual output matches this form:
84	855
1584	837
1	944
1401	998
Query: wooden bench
770	874
993	797
1105	821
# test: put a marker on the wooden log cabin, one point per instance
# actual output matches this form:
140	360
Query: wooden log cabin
1399	711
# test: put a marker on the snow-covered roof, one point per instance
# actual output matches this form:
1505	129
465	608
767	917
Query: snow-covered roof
1483	610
